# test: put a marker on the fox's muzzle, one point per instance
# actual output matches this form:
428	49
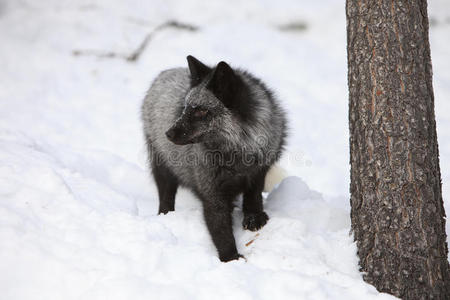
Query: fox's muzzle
178	135
174	135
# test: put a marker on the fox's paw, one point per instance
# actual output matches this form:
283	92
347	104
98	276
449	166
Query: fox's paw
164	210
234	256
255	221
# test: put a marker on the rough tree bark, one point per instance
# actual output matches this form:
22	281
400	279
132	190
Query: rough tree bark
397	213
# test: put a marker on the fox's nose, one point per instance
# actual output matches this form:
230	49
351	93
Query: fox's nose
170	133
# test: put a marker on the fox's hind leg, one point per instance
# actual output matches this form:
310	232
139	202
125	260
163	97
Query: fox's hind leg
254	215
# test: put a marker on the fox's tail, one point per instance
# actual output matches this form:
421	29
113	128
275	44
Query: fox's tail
275	175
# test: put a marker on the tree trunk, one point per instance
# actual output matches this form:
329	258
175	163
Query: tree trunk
397	212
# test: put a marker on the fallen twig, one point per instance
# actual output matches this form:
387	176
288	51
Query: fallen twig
252	240
134	56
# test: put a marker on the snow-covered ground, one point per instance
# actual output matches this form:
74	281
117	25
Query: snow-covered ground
77	205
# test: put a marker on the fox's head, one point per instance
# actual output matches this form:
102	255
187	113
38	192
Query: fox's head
211	105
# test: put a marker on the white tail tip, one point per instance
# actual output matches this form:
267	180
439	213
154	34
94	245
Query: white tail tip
275	175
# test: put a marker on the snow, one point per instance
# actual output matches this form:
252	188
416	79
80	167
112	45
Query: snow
77	205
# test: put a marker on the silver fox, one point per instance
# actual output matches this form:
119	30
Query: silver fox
216	131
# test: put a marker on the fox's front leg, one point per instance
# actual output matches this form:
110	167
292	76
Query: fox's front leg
167	185
254	215
219	222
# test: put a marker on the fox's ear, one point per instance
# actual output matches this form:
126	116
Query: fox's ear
198	70
224	83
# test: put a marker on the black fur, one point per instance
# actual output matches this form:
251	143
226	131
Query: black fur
218	209
198	70
167	185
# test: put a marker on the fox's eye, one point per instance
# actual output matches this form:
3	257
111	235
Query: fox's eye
200	113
